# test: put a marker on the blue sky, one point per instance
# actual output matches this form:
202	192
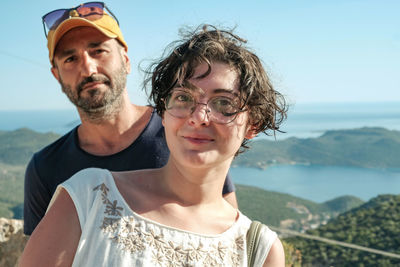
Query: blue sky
315	51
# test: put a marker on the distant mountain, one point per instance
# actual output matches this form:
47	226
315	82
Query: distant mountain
287	211
17	147
343	203
364	147
375	224
370	147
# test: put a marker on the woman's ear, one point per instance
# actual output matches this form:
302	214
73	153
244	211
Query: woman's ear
163	119
251	132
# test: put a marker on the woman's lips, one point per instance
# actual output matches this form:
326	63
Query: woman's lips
198	139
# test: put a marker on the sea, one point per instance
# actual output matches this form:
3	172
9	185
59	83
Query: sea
315	183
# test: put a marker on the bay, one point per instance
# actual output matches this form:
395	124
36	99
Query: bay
316	183
304	120
320	183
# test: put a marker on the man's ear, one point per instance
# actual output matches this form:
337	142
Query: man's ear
251	132
55	73
126	60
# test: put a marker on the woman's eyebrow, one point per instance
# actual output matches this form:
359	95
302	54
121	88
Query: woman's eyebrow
223	90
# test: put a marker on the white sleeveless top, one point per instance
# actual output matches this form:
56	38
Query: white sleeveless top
114	235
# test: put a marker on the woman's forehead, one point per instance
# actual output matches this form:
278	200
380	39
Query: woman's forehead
220	77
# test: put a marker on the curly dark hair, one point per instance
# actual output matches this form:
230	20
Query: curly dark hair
206	44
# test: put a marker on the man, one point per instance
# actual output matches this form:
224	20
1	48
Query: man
89	59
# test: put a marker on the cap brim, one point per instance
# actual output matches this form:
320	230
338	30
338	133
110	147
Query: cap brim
70	24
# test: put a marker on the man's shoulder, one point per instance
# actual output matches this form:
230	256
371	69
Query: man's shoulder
56	149
155	122
154	127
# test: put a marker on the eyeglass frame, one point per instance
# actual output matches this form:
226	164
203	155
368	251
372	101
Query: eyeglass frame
196	103
75	8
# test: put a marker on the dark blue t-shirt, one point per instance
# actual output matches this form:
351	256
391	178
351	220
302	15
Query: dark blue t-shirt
60	160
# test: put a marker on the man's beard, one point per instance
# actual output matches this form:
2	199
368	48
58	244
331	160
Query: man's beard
98	105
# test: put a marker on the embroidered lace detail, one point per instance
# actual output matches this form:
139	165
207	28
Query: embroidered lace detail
135	238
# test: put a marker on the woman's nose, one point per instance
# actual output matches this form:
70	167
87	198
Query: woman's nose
200	114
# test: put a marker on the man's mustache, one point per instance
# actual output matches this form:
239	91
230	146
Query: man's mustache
93	78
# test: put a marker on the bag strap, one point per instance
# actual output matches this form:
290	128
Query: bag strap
253	239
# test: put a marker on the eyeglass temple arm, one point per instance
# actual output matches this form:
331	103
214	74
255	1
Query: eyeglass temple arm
112	14
44	27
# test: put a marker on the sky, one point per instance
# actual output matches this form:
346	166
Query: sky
314	51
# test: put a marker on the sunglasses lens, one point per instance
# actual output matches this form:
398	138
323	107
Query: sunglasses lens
92	10
53	19
89	9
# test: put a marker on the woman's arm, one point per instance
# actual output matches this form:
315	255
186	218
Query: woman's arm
276	255
55	239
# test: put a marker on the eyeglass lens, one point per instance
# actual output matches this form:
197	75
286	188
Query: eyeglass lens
220	109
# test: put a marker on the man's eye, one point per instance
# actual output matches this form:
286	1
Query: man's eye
70	59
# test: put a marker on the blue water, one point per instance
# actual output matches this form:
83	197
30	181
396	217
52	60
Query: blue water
58	121
321	183
315	183
312	120
304	120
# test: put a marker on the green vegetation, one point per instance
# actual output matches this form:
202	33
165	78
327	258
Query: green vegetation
17	147
283	210
365	147
11	190
344	203
375	224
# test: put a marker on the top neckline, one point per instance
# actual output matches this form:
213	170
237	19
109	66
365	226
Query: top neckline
153	115
110	179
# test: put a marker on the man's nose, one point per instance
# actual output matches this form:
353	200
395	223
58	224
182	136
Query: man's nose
88	65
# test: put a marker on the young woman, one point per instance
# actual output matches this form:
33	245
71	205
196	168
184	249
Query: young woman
213	95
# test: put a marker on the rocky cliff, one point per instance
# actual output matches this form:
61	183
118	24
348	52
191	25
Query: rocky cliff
12	241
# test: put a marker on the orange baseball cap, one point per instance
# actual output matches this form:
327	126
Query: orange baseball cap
105	24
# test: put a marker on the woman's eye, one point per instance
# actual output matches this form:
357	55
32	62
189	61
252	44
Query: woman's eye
225	106
183	98
224	102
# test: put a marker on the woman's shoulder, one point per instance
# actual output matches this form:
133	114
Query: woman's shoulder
86	179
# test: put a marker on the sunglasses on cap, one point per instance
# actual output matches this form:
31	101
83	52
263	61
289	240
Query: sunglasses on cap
89	11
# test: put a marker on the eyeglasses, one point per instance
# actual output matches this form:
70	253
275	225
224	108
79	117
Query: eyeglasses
89	11
219	109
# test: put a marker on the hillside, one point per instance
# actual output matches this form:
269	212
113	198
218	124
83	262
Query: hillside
11	190
364	147
374	224
17	147
286	211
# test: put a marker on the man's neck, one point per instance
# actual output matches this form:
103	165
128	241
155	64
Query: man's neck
114	133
